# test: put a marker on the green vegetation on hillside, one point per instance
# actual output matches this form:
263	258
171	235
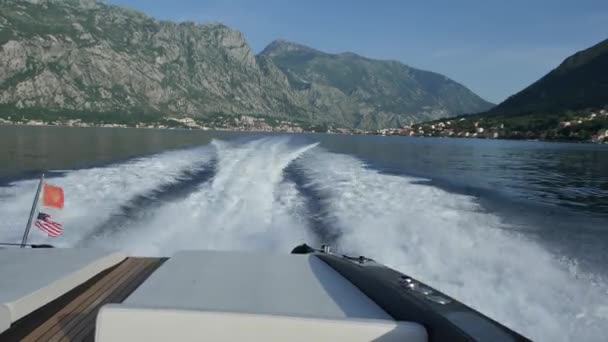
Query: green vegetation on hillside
94	59
580	125
10	112
580	82
569	103
385	86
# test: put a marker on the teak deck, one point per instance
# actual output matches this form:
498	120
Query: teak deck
71	317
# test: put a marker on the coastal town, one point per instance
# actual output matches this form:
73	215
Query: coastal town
462	127
230	123
590	126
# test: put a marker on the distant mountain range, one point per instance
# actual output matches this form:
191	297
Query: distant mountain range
580	82
87	59
380	92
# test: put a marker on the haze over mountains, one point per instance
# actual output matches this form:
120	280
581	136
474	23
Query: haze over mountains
80	57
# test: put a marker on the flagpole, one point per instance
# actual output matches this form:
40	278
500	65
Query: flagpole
32	213
28	245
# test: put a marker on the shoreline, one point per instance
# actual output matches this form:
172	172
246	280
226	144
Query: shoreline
254	130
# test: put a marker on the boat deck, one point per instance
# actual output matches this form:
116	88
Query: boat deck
105	296
71	317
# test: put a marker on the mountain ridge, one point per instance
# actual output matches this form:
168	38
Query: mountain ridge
573	85
89	57
569	103
358	77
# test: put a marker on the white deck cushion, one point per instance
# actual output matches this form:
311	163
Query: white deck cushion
256	283
31	278
117	323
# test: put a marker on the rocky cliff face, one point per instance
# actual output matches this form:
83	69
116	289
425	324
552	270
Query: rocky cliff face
100	58
377	90
92	58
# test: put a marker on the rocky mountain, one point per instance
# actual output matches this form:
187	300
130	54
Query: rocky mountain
373	87
579	82
83	58
96	58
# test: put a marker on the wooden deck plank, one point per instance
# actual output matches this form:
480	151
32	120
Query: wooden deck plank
72	316
86	329
86	325
69	319
29	323
82	323
89	294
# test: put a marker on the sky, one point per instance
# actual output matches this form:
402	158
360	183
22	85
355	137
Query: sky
494	47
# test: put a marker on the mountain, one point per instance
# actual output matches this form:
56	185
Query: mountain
579	82
91	60
374	87
570	103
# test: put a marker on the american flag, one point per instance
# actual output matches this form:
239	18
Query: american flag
45	224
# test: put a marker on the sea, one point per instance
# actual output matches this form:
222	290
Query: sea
515	229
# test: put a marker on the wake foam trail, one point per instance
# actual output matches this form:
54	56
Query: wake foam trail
246	206
449	242
140	205
271	194
95	195
318	218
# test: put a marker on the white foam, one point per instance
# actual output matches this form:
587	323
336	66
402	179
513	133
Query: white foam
246	206
446	240
442	238
92	195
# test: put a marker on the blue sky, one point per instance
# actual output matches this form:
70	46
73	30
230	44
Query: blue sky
495	48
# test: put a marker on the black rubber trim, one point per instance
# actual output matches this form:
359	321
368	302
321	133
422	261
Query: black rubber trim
381	284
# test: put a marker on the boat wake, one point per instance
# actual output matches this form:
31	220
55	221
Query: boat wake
274	193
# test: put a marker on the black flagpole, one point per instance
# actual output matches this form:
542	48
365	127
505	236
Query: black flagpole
28	245
32	213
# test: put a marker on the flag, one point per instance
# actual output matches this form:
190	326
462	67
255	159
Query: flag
52	196
52	228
